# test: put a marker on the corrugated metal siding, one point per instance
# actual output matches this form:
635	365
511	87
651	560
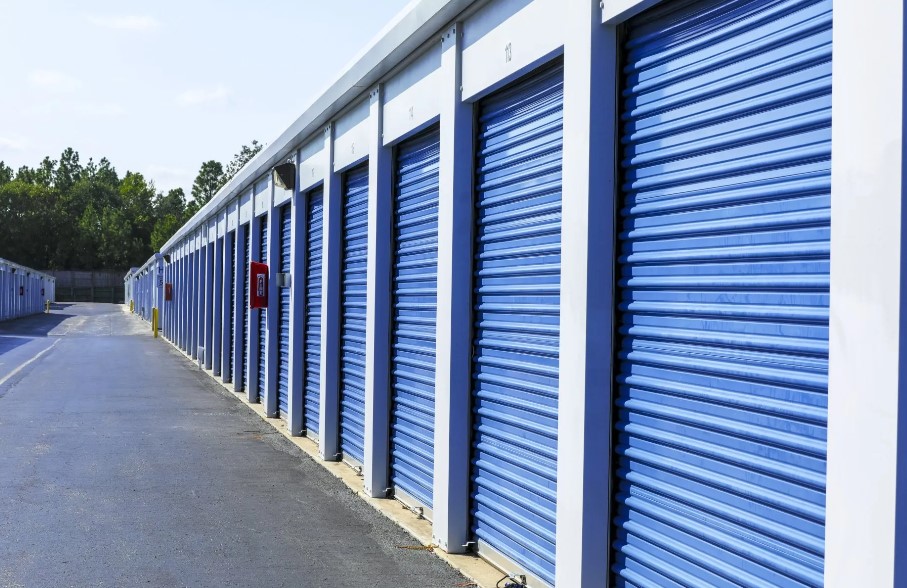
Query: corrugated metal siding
193	304
314	247
231	289
247	312
283	374
415	301
724	291
352	355
517	320
263	318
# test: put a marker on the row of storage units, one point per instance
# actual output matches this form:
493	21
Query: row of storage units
144	287
23	290
557	276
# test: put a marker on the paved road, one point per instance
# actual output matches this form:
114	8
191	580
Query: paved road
122	465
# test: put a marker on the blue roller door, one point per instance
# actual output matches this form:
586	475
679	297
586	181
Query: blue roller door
262	316
283	372
517	317
314	248
352	336
246	312
231	298
415	289
723	295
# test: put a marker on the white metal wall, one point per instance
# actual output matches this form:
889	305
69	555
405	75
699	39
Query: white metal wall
23	290
432	67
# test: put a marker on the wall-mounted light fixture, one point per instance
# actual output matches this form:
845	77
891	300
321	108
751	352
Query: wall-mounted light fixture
285	176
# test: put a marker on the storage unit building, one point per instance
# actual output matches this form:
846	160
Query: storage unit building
568	284
24	291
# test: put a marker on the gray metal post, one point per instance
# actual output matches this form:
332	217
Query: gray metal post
454	319
273	318
329	418
217	306
375	469
587	305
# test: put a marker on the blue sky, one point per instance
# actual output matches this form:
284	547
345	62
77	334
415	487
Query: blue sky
159	87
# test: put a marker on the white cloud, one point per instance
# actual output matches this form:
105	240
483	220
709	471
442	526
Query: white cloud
60	106
125	23
166	177
99	109
203	95
55	81
7	144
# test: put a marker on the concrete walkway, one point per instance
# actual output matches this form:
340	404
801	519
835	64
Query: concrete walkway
122	465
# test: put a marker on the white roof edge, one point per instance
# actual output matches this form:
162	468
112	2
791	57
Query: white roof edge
408	31
19	266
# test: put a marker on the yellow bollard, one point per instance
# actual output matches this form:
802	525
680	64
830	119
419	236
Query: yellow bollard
154	321
132	306
47	306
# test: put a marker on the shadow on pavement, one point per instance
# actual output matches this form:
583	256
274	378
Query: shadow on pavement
36	325
8	343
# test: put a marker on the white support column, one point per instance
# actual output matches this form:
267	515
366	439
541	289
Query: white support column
190	303
296	382
227	342
218	307
252	335
193	304
587	305
329	418
184	300
177	279
376	466
163	306
239	309
273	317
454	319
866	429
208	327
198	332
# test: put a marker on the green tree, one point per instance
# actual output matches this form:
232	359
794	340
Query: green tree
207	182
170	213
6	173
68	171
26	210
163	230
245	155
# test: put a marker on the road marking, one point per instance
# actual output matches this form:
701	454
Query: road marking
30	361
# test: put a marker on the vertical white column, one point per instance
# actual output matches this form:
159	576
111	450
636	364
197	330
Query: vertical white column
193	301
273	317
298	234
175	279
255	253
208	327
454	318
239	309
863	544
375	468
329	418
227	342
218	306
183	294
587	290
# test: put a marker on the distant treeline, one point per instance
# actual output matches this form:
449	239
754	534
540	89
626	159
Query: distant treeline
64	214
